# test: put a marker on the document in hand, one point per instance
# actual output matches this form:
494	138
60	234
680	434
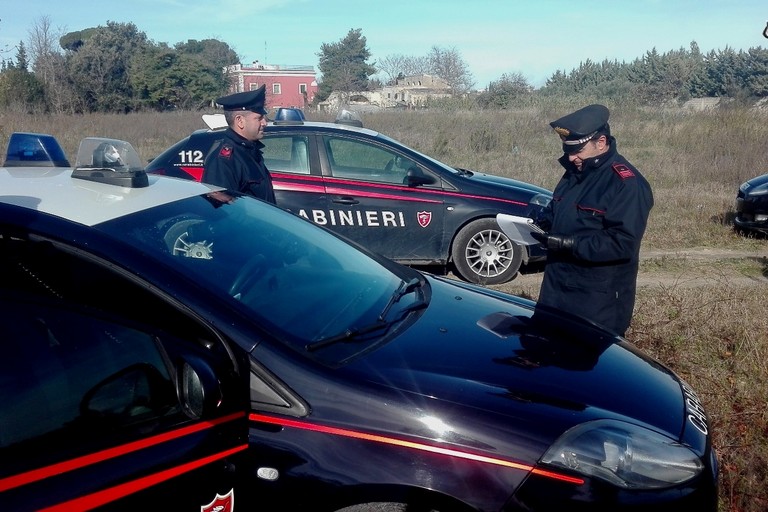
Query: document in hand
518	228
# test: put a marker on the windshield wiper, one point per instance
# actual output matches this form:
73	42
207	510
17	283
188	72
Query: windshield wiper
348	334
353	332
405	288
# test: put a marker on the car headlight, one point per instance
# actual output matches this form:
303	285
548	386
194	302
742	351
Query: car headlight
625	455
541	199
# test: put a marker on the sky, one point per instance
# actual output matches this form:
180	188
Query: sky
533	38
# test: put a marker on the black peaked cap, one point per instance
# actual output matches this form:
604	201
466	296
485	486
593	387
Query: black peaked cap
248	100
577	128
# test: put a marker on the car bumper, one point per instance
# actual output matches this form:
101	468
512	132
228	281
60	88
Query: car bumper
750	218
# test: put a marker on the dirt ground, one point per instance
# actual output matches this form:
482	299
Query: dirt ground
688	268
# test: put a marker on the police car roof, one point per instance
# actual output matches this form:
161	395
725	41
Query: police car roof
93	198
56	192
217	122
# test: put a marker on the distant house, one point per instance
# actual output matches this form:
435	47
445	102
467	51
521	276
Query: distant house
416	91
409	92
287	86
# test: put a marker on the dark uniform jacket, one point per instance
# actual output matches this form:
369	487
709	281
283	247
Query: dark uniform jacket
237	164
605	208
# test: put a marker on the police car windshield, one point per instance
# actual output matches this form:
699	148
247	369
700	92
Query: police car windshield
293	278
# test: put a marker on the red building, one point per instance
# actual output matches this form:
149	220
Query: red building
287	86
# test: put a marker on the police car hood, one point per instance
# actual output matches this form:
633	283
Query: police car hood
756	181
488	358
496	181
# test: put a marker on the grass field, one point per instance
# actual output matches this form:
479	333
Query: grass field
714	334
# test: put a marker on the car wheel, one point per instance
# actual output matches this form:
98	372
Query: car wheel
483	254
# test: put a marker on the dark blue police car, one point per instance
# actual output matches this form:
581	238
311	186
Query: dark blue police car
392	199
752	206
153	354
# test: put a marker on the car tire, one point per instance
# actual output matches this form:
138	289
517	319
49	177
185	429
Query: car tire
483	254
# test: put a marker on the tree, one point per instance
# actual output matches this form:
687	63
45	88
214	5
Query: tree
3	50
100	67
343	65
49	65
72	41
392	66
416	66
397	66
212	52
447	64
502	93
757	62
19	89
164	79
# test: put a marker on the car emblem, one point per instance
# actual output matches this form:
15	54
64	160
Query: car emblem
221	503
424	218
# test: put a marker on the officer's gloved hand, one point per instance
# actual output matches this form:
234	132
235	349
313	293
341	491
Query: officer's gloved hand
554	242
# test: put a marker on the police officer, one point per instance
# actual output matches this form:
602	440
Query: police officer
594	224
236	161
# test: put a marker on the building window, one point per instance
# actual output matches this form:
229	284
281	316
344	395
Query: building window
302	88
275	88
254	85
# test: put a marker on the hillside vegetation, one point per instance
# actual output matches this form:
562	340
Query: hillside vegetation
715	335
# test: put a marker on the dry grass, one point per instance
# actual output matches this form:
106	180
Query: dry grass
713	335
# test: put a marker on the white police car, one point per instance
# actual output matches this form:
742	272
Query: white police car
166	342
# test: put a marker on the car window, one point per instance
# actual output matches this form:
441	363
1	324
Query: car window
73	377
357	160
88	356
289	153
100	378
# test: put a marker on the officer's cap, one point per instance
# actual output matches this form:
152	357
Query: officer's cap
578	128
248	100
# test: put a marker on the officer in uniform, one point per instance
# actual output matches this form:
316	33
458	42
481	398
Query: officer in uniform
594	224
236	162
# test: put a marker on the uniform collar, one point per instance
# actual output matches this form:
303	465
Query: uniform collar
590	164
242	141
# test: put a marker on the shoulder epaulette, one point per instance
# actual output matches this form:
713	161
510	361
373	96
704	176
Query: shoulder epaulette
225	151
623	171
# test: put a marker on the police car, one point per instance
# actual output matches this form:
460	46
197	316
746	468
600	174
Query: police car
382	194
752	206
152	353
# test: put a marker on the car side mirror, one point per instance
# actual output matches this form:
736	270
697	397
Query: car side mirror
199	389
414	178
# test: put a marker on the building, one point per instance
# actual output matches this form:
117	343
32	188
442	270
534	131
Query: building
409	92
287	86
416	91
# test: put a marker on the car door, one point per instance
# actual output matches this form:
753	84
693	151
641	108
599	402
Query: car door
367	197
109	397
292	162
384	200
